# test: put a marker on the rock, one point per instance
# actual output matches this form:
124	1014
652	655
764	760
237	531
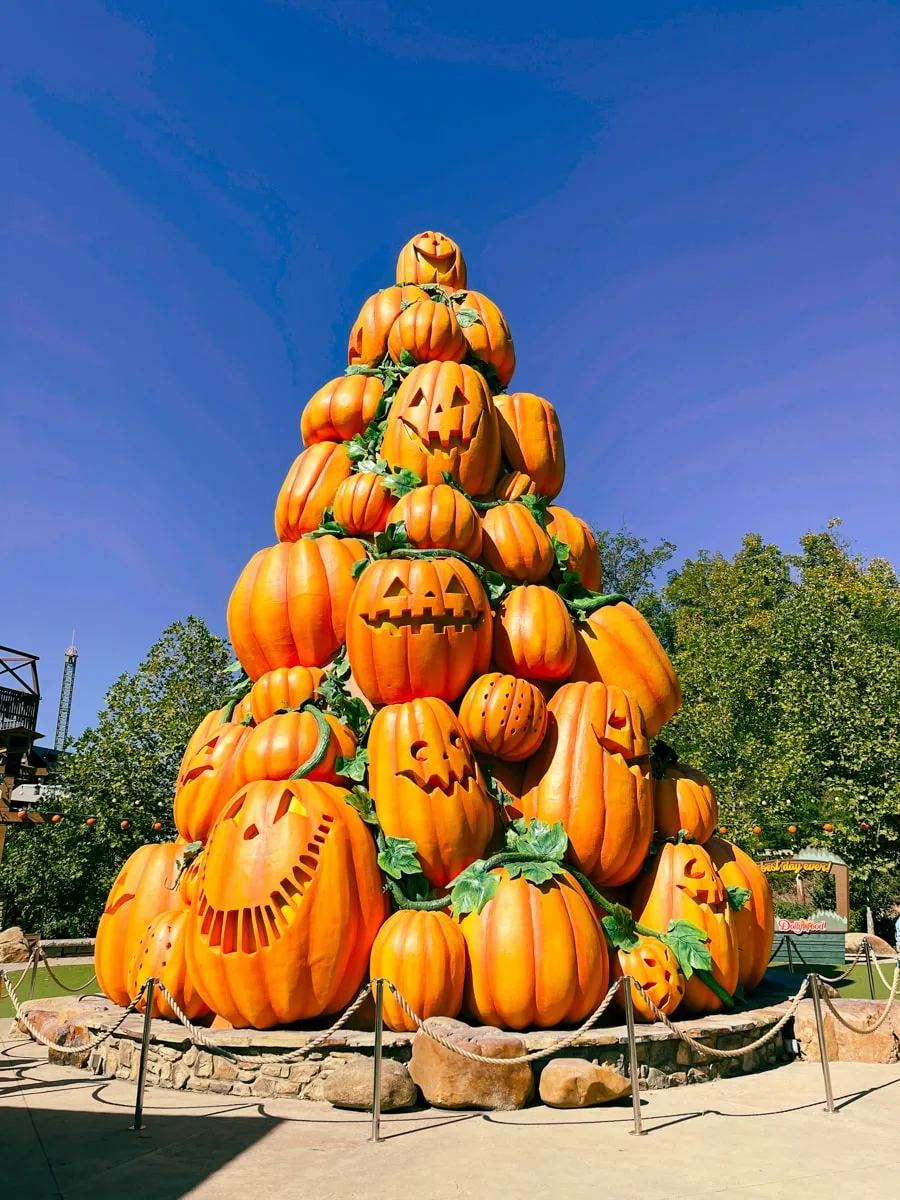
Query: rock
58	1009
69	1033
842	1044
13	946
576	1083
880	948
449	1081
352	1086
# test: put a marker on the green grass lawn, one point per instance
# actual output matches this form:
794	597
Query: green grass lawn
79	977
855	986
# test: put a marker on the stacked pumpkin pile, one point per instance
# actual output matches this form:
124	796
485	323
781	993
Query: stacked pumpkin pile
446	717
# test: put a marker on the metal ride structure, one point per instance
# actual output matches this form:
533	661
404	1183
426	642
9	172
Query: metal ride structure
65	696
20	698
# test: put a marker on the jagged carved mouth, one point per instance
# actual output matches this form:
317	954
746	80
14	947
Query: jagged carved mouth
702	896
415	623
432	782
443	439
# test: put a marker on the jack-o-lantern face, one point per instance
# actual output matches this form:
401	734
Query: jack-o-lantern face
443	419
701	882
288	904
620	729
206	781
655	968
419	627
427	786
432	257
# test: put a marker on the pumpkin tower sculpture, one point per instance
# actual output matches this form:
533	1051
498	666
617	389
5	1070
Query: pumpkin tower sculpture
441	714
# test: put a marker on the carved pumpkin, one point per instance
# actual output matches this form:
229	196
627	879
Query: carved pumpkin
438	517
284	743
369	335
504	716
616	645
429	332
515	544
592	772
362	503
427	786
187	882
683	885
443	419
289	607
285	687
755	922
584	557
683	799
288	903
655	967
341	409
423	954
532	440
309	488
206	781
417	627
432	258
140	893
533	634
160	954
537	955
219	716
514	485
489	337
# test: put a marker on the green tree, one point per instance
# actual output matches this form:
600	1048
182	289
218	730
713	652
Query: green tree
630	566
55	878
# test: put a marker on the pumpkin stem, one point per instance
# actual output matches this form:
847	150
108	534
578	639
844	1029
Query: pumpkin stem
321	747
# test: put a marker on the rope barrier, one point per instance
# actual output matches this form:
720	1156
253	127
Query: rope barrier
59	983
95	1039
881	1020
860	952
25	969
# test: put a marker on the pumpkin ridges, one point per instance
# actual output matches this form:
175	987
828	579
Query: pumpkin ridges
533	634
514	544
684	799
755	922
532	440
341	409
584	556
424	955
309	488
438	517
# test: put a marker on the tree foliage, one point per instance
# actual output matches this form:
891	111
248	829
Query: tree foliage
55	878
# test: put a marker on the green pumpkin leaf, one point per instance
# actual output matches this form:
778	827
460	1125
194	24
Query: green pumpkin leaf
238	686
537	838
495	788
332	696
458	297
407	360
737	897
537	506
358	567
353	768
487	370
398	858
535	872
361	369
618	926
327	525
405	304
359	799
562	553
401	482
494	585
393	538
473	888
467	317
690	946
580	601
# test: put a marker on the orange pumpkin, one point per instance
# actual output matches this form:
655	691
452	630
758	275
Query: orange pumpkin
341	409
187	881
533	634
438	517
160	954
309	488
289	607
284	743
362	504
655	967
442	419
206	781
288	904
285	687
429	332
417	627
489	337
683	799
537	955
616	645
219	716
140	893
427	786
369	335
755	922
513	486
683	885
592	772
532	440
423	954
504	716
584	557
432	257
515	544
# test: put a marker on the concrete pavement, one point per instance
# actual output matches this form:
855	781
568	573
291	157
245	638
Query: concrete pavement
66	1134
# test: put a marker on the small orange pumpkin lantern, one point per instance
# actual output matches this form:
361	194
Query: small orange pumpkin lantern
504	716
532	440
533	634
423	954
432	257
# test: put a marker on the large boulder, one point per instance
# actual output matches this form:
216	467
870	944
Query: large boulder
353	1085
448	1080
13	946
880	948
577	1083
843	1044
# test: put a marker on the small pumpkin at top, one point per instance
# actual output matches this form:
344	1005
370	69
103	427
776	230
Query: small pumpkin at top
429	332
432	257
532	440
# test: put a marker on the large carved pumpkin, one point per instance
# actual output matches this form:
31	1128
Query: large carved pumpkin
655	967
537	955
429	332
443	419
683	885
280	746
427	786
533	634
515	544
161	955
289	607
489	337
755	922
369	335
592	772
362	504
341	409
309	488
417	627
423	954
144	888
438	517
206	781
504	716
683	798
285	687
288	904
616	645
532	440
584	557
432	257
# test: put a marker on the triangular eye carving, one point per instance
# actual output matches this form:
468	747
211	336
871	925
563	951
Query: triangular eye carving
454	587
396	588
458	399
417	399
617	721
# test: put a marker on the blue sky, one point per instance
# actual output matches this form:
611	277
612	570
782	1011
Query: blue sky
688	216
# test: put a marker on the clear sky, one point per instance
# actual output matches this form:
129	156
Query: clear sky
687	213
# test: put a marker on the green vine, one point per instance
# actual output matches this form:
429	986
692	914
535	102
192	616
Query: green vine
323	741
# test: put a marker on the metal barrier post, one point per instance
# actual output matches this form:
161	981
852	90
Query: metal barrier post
823	1048
867	950
787	942
149	988
376	1073
632	1060
35	959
